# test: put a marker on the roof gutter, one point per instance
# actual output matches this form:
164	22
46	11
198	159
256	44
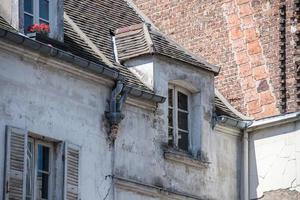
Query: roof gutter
274	121
82	63
232	122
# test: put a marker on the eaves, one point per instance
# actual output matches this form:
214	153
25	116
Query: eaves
84	64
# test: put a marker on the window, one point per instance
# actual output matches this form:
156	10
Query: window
178	118
40	168
35	12
39	164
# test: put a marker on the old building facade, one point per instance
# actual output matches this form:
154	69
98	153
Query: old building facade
256	43
105	106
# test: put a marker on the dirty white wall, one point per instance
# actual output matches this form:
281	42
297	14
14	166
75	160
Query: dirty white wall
139	152
275	162
50	102
59	105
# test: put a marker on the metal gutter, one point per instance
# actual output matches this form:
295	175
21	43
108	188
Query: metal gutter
232	122
274	121
82	63
144	95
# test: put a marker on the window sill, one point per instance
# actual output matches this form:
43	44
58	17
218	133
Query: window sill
177	156
47	40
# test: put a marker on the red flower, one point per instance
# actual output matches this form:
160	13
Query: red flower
39	28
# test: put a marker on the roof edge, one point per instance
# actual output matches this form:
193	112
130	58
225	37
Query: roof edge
95	68
274	121
214	68
230	107
142	16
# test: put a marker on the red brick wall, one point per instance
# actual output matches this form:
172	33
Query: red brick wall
241	36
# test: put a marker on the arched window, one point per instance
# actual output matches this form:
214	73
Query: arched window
178	117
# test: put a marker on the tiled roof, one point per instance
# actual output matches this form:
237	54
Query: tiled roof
98	19
223	107
77	46
140	39
5	25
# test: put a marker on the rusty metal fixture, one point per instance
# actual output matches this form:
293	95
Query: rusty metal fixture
113	132
114	113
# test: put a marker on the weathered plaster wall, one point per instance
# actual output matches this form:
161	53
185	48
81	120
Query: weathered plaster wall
139	152
275	162
142	67
56	104
9	10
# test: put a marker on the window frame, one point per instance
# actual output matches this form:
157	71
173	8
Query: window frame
175	109
50	145
36	13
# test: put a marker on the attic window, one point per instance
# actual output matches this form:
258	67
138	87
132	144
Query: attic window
35	12
178	118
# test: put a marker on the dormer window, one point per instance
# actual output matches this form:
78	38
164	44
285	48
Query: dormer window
178	117
35	12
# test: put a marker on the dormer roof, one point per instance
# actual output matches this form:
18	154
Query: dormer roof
96	20
141	39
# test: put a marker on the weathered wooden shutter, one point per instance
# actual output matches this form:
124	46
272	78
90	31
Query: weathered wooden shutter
15	168
71	187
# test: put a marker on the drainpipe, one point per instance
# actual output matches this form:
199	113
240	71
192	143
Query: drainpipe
245	170
114	115
242	125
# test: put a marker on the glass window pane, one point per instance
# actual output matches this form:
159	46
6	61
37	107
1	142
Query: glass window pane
170	97
170	117
28	21
28	6
170	137
29	172
182	101
44	9
183	120
183	141
42	185
43	22
43	158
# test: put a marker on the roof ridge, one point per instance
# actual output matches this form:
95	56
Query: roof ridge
230	107
86	39
141	15
130	28
180	47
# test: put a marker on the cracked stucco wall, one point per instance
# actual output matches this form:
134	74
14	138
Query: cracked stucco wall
53	103
275	161
142	134
64	106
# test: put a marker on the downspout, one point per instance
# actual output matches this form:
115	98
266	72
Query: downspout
114	116
242	125
245	171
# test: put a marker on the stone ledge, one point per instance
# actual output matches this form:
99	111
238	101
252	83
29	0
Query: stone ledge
184	158
153	191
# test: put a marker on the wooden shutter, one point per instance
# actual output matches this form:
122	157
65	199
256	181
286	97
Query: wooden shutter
71	186
15	168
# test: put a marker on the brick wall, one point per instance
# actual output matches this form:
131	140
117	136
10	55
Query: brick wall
241	36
